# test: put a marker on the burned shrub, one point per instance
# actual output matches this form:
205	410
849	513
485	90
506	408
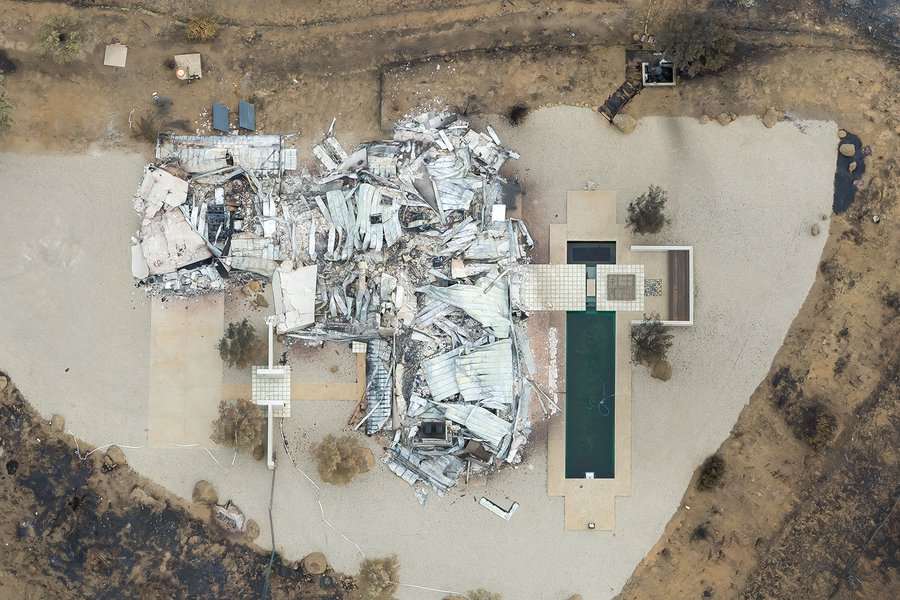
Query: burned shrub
700	533
517	113
698	42
812	423
840	364
646	213
711	473
785	388
147	127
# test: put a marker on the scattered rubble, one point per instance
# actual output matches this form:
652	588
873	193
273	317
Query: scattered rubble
401	247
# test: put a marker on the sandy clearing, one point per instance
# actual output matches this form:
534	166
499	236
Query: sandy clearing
744	196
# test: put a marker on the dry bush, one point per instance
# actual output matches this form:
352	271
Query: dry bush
698	43
379	578
342	458
63	39
711	473
650	341
241	424
202	28
646	213
240	345
812	424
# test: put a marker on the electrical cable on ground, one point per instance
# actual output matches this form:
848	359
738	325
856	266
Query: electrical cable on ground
265	590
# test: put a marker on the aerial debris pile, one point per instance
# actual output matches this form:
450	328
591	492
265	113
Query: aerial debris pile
402	247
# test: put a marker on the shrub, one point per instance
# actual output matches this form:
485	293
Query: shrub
711	473
202	28
701	532
63	39
240	345
378	578
650	341
646	212
342	458
241	424
698	43
6	120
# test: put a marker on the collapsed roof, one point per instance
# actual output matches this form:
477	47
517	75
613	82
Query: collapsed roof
403	244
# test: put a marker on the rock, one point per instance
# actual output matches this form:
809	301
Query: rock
205	493
705	119
842	133
314	563
57	423
771	117
733	116
815	229
255	286
852	83
145	500
661	370
723	118
116	455
262	302
4	381
575	597
259	452
848	150
252	531
625	123
852	166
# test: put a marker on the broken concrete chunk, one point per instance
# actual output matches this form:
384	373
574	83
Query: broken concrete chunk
625	123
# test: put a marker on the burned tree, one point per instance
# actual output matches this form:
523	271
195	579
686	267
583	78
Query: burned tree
240	345
650	341
646	213
241	424
340	459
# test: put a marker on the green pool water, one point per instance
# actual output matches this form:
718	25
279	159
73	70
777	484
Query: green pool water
590	394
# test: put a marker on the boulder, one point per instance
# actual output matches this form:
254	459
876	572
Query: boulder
724	118
770	118
848	150
116	455
625	123
705	119
815	229
842	133
205	493
661	370
314	563
261	301
57	423
252	531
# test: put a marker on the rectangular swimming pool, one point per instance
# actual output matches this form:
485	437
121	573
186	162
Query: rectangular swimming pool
590	394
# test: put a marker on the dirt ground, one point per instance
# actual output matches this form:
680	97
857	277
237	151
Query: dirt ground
789	521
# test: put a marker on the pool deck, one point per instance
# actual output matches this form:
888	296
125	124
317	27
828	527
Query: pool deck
591	215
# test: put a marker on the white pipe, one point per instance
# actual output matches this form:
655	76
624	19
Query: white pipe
270	322
270	450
